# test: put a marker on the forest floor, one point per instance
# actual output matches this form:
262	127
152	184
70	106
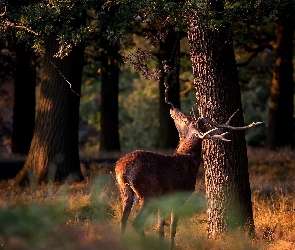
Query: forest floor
86	215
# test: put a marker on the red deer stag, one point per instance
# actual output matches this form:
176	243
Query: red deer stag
145	175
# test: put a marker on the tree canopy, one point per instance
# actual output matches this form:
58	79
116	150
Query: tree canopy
34	20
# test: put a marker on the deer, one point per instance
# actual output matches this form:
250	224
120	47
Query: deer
144	176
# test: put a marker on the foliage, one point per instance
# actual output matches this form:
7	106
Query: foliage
33	21
138	98
158	15
138	114
139	121
32	222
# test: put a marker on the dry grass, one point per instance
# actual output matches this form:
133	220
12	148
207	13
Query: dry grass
270	170
272	176
86	215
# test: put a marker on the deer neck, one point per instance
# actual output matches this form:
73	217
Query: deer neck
190	146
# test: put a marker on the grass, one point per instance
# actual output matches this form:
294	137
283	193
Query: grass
86	215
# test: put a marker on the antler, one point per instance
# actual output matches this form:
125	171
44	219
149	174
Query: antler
227	125
207	135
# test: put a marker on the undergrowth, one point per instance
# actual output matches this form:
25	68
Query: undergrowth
87	215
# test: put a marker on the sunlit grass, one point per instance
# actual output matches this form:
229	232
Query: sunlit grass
87	215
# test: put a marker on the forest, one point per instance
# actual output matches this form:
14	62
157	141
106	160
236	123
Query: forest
84	83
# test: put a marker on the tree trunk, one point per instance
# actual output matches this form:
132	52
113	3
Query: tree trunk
109	122
169	52
280	118
24	100
54	149
226	164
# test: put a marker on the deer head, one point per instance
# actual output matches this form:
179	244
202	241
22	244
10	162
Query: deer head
203	127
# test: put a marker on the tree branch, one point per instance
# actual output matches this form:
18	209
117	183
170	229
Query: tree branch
8	24
255	52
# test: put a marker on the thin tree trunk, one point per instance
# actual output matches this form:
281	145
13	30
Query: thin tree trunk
280	118
54	148
226	164
24	100
109	121
169	52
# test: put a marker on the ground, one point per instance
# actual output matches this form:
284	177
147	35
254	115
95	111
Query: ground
86	215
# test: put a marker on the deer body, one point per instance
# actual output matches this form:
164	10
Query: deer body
151	174
147	175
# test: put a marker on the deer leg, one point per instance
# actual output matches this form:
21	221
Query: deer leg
140	219
161	224
173	224
127	195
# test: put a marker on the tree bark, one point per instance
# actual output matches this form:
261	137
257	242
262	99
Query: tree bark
169	52
109	121
54	151
226	163
24	99
280	119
